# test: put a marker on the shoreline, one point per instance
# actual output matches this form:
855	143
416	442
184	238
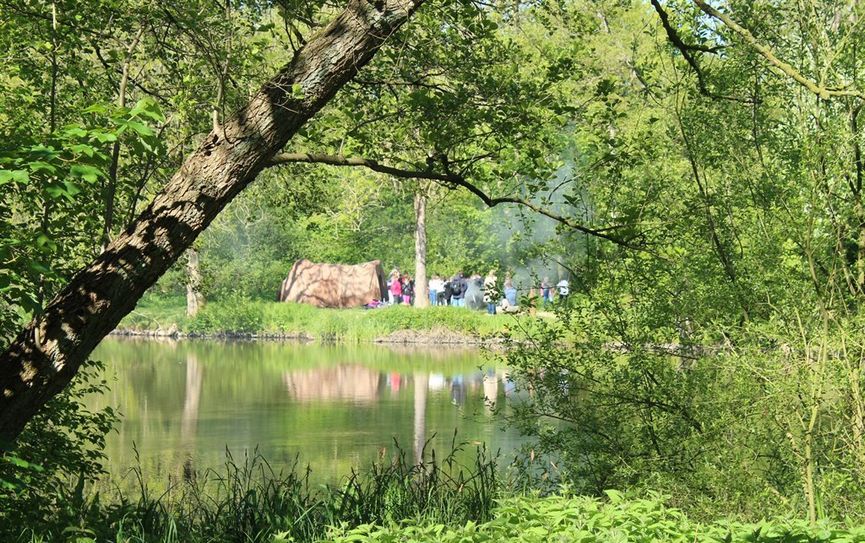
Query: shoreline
443	337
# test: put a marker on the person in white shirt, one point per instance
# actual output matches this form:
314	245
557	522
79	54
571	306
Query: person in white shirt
436	285
563	288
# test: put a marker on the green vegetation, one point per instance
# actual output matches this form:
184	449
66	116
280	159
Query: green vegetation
695	169
391	500
239	316
590	520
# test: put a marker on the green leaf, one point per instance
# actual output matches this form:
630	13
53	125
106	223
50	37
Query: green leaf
42	166
39	267
97	108
297	91
64	189
141	128
104	137
19	176
75	132
147	107
88	173
83	149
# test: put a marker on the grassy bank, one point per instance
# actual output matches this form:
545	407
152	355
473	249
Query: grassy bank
446	324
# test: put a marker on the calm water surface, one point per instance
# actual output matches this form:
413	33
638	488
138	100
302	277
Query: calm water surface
337	406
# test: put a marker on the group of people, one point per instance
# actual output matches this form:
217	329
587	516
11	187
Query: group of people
458	289
400	288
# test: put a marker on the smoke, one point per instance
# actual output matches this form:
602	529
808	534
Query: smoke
536	246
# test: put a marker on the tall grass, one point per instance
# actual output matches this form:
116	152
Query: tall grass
248	501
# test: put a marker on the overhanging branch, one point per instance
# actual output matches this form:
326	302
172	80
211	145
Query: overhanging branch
450	180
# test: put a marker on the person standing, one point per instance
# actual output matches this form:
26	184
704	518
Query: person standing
564	288
407	289
491	292
395	289
458	290
546	291
510	292
435	286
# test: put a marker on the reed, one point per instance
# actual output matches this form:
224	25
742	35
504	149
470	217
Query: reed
247	500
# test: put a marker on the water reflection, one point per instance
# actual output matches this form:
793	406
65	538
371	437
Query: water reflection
338	406
189	417
421	385
346	382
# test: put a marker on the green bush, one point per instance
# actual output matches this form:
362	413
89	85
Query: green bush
230	317
57	455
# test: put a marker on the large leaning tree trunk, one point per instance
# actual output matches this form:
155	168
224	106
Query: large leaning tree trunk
46	355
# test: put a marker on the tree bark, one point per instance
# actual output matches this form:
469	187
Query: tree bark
46	355
421	290
194	297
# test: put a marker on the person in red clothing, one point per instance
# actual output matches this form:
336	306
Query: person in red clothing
395	290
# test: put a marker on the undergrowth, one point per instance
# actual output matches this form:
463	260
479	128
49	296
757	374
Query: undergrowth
531	519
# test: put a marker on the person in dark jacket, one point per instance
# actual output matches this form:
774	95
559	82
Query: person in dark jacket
445	294
458	290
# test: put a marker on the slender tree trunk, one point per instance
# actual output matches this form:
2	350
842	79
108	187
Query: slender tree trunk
859	209
46	355
421	288
194	297
857	415
45	222
111	185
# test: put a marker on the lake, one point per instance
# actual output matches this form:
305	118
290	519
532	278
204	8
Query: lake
337	406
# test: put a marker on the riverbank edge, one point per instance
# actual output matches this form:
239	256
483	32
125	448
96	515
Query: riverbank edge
434	337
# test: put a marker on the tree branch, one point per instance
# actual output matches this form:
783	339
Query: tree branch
686	50
766	52
450	180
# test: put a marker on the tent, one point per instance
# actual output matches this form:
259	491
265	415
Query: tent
334	285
